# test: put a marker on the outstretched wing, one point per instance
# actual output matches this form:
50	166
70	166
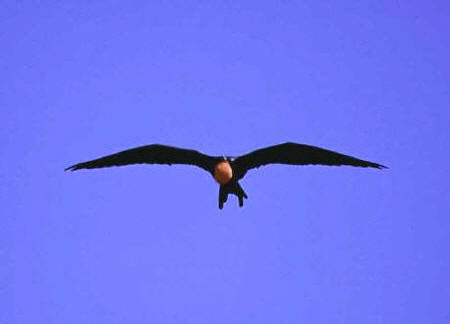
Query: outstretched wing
152	154
295	154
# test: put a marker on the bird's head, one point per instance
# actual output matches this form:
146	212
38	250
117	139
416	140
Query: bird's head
227	158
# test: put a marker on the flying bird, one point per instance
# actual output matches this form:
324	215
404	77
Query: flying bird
227	170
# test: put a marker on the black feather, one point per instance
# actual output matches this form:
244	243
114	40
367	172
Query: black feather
151	154
295	154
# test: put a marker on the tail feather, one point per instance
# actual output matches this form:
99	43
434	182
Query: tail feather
231	188
223	195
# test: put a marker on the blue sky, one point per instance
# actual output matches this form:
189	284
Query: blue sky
147	244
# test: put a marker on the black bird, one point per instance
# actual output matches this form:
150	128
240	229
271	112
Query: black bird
227	170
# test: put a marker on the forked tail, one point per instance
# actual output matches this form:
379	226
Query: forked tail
232	187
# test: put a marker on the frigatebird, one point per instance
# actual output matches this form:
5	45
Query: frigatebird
227	170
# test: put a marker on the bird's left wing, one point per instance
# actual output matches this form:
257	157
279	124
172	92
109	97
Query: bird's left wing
295	154
152	154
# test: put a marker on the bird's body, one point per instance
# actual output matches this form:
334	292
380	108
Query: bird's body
227	171
223	172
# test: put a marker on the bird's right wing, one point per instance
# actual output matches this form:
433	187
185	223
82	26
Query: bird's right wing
152	154
295	154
